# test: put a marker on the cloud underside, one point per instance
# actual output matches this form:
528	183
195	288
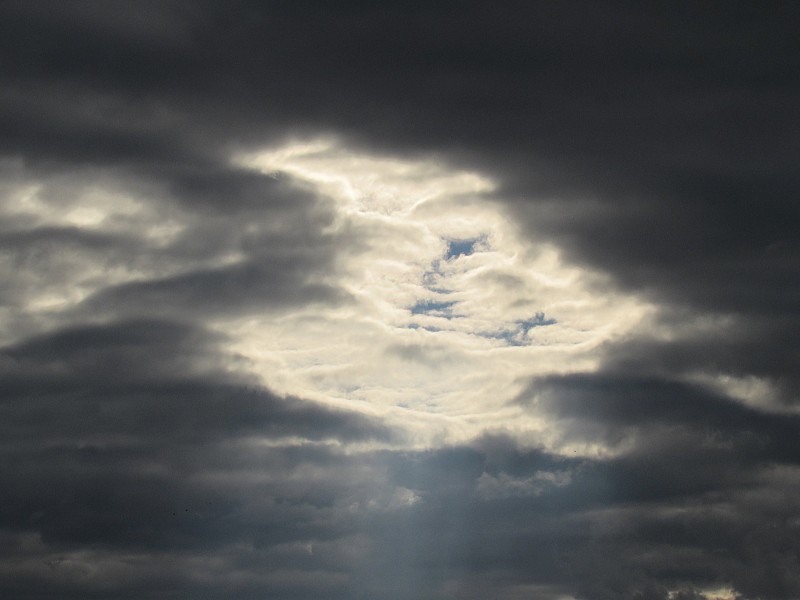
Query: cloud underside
133	467
399	301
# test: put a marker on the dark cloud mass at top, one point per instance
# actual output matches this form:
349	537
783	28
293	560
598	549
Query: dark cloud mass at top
140	455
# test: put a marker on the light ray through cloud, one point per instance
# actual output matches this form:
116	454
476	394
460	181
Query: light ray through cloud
399	300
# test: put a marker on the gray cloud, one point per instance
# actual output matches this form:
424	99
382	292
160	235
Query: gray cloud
154	379
654	143
131	453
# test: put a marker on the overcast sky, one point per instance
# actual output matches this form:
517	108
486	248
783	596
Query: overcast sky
399	300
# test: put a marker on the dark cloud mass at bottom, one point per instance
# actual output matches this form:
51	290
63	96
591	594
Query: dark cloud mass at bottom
141	456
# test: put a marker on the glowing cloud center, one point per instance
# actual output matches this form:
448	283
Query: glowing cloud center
451	309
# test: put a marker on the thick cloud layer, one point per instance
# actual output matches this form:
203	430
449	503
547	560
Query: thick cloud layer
524	324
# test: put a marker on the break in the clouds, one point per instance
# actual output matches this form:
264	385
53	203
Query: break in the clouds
399	300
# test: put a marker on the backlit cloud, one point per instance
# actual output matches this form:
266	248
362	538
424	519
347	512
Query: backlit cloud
399	300
451	309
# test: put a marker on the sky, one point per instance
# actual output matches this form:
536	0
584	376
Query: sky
399	300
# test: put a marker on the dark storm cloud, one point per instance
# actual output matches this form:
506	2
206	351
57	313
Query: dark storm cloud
699	483
216	290
667	129
616	401
655	142
236	241
150	379
136	439
677	440
763	346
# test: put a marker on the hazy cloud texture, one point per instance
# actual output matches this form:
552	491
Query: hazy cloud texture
399	300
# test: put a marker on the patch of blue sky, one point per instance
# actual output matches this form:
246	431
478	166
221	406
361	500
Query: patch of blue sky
517	335
425	327
512	337
433	308
464	247
538	320
431	280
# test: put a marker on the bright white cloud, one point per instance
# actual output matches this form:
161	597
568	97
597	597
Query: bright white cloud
452	309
